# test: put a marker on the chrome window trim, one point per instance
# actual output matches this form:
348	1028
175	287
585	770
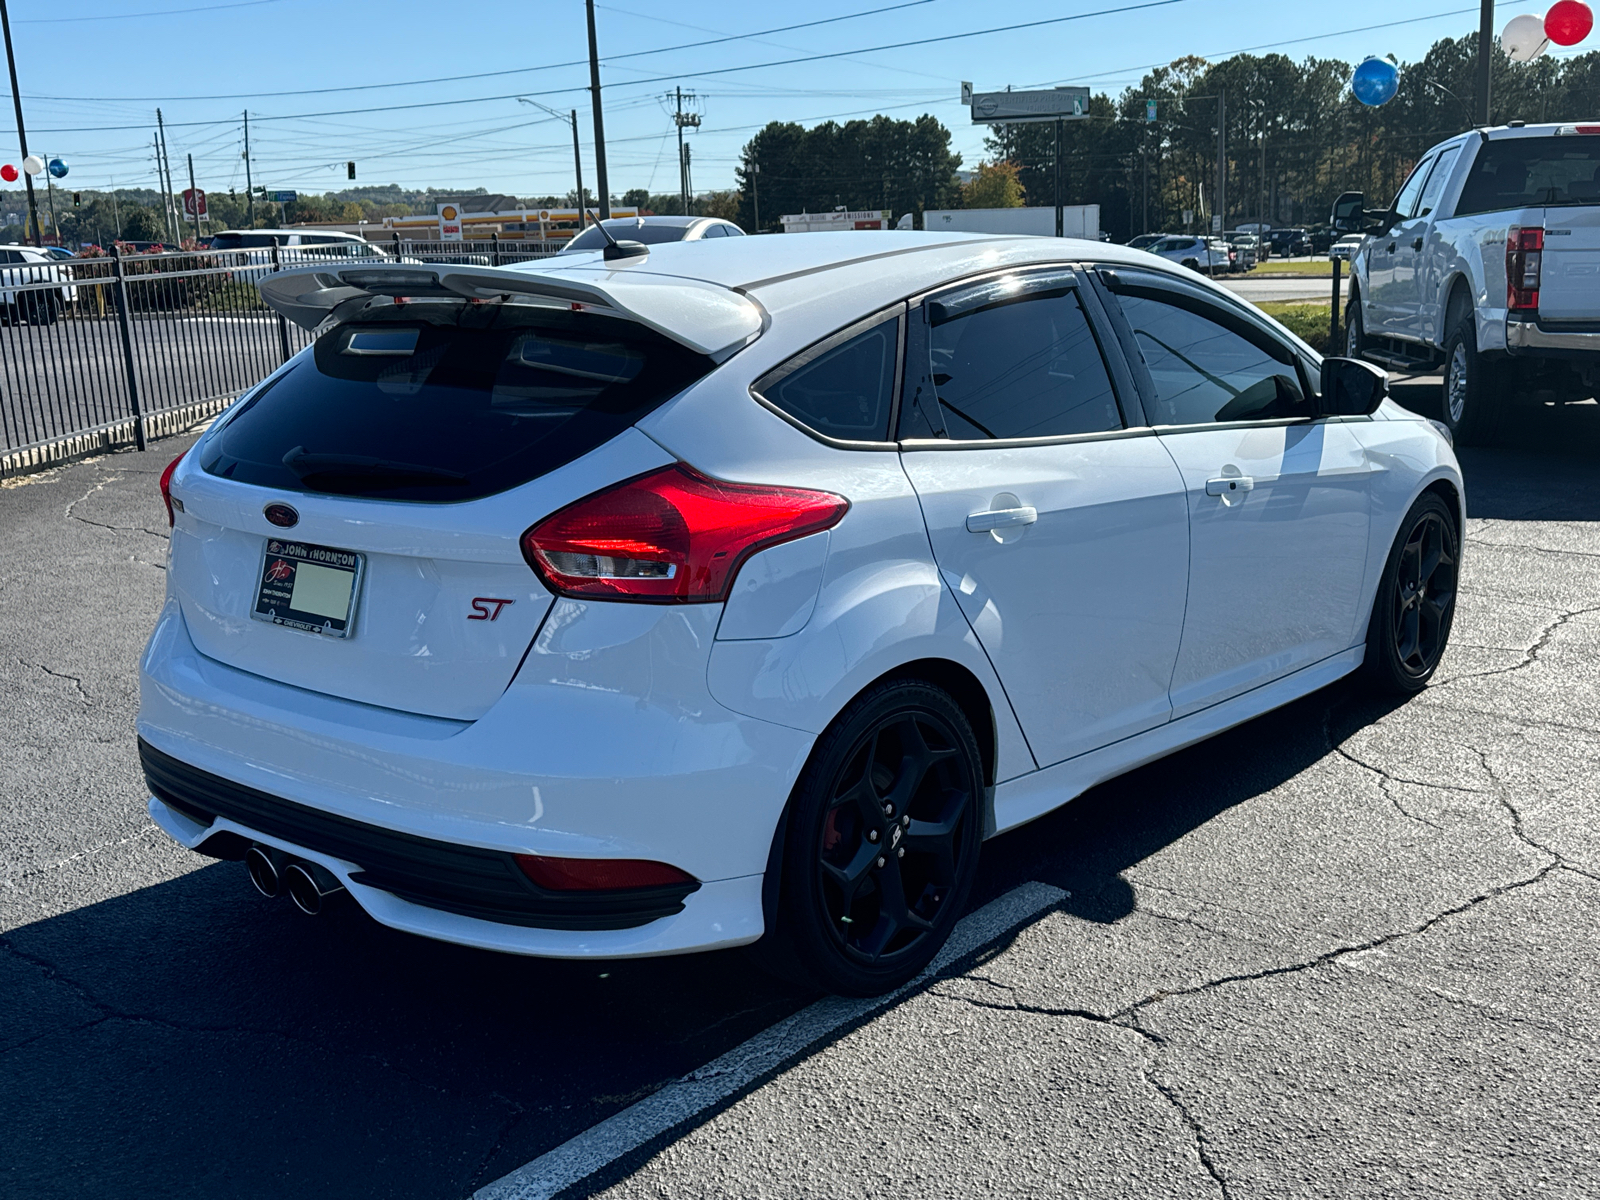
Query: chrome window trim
1064	439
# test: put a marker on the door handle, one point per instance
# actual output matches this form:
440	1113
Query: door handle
1416	243
1229	485
1000	518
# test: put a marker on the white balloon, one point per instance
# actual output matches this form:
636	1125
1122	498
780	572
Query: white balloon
1524	39
33	164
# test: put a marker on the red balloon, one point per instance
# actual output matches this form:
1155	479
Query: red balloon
8	173
1568	22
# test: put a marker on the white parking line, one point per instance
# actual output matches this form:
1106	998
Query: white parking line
684	1098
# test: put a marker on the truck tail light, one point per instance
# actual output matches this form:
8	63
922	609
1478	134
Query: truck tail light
1524	261
671	536
166	490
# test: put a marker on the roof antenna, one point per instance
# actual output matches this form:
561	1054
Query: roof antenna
614	248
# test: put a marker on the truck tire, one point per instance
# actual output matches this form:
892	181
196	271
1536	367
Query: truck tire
1355	329
1474	398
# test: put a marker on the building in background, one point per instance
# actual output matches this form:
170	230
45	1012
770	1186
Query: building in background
833	222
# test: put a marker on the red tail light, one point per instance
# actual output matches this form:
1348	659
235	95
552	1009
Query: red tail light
672	536
598	874
166	490
1524	261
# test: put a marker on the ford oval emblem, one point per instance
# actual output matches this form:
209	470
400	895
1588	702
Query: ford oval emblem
281	515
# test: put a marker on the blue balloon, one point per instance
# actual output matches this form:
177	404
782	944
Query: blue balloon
1375	81
58	168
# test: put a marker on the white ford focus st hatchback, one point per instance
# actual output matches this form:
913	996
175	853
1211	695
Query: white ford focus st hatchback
692	596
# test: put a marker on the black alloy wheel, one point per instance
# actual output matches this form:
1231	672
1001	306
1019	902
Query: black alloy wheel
883	840
1416	600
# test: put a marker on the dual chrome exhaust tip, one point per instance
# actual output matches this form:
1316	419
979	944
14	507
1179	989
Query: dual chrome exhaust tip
273	872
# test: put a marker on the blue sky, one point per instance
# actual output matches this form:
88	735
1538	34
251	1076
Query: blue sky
93	72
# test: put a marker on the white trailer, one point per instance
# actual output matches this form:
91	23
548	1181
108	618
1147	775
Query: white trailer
1077	221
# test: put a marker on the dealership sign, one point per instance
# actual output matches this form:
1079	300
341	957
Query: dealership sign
1013	108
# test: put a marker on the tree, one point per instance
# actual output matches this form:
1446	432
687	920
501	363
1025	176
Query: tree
881	163
994	186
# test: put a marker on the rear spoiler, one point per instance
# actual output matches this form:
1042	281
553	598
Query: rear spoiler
705	317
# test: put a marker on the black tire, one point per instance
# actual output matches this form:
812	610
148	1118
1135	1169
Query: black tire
882	842
1416	601
1474	400
41	307
1355	329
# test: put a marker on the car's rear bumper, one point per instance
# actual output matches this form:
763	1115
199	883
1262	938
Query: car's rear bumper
615	752
1547	340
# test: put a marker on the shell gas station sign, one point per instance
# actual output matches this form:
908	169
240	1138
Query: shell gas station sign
449	223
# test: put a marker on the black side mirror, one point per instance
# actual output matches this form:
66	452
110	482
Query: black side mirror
1349	212
1351	388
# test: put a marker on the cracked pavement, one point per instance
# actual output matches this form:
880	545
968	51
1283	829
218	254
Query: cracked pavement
1349	949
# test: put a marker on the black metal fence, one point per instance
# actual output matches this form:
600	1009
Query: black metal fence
108	351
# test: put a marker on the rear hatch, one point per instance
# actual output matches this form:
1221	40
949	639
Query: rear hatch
352	527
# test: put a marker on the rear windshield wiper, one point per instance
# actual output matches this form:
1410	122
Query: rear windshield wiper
306	465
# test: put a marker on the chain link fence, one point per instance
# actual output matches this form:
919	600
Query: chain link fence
101	352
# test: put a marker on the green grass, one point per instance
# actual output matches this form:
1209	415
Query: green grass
1275	266
1307	320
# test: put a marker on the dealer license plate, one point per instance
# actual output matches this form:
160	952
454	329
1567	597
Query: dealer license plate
307	587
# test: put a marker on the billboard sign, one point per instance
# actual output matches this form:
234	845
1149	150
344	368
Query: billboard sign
194	203
1013	108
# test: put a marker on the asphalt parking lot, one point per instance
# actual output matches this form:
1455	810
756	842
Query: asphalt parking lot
1349	949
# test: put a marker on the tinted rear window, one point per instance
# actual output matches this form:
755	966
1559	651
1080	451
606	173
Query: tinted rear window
627	231
412	410
1532	173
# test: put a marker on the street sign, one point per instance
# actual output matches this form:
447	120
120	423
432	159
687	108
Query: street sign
1149	110
1188	217
1216	222
1015	108
194	203
285	197
966	92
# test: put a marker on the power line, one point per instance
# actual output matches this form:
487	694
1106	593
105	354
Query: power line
165	12
577	62
785	62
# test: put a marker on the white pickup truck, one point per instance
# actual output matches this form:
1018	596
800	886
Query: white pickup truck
1488	261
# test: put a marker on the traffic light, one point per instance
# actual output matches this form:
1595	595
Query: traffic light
350	170
77	199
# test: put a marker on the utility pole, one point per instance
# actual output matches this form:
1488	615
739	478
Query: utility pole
1485	37
1144	220
22	133
683	120
599	122
1222	157
755	191
249	187
116	210
166	173
1060	215
571	117
688	174
50	194
577	167
194	198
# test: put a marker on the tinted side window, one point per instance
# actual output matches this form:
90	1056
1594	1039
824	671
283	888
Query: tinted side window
846	391
1406	202
1436	181
1021	368
1204	371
